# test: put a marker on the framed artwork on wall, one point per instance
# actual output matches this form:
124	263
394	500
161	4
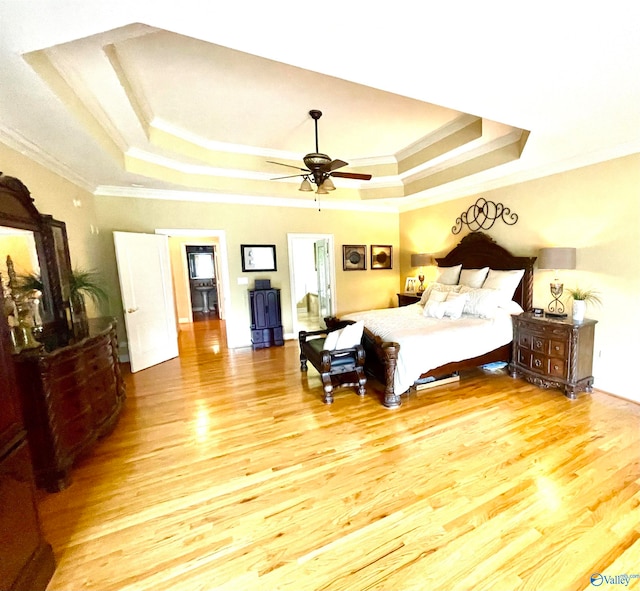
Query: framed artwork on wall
411	285
354	257
258	257
380	257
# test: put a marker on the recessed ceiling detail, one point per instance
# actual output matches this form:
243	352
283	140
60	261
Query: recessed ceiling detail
189	114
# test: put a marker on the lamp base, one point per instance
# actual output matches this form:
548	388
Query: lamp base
555	315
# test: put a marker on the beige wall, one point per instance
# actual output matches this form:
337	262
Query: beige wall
597	210
56	196
244	224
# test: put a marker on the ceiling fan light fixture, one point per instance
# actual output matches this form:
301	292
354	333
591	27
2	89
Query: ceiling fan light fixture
328	184
305	185
322	190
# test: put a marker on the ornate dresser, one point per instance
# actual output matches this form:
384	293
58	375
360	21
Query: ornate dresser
71	396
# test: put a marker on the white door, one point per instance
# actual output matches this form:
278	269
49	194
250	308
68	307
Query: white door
144	271
324	280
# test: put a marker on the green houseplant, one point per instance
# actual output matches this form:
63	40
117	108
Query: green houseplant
83	283
580	299
87	283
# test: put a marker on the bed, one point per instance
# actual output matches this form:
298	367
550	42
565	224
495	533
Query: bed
396	353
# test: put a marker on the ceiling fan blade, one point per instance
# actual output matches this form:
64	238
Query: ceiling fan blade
352	175
289	165
287	177
334	165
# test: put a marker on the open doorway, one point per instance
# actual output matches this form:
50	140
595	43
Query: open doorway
179	240
312	276
203	280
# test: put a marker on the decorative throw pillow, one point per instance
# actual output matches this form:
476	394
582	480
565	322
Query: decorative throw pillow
481	302
439	287
331	340
351	335
506	282
448	275
434	306
441	304
454	304
473	277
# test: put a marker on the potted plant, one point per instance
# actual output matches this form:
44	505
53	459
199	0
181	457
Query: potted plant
84	283
580	299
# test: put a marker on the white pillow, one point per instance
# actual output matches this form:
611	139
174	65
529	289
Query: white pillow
331	340
350	336
481	302
448	275
451	306
440	287
473	277
505	282
513	308
454	304
434	306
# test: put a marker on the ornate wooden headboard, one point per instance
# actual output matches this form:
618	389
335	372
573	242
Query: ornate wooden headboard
477	250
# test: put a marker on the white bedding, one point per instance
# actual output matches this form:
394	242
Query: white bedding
427	343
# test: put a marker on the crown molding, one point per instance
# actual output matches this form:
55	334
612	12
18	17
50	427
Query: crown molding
16	141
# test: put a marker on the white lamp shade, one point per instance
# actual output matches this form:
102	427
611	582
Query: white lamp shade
305	185
328	184
557	258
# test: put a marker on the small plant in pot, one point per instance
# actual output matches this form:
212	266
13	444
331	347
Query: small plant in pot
580	299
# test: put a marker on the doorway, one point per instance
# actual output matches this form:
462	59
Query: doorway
203	280
312	277
179	239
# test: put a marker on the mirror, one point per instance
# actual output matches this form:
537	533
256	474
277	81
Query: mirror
37	245
201	265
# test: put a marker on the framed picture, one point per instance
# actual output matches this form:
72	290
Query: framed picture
354	257
411	285
258	257
380	257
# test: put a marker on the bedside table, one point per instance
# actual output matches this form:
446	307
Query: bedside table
553	352
404	299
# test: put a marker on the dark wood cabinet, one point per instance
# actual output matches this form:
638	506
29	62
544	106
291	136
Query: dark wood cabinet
554	352
26	560
405	299
266	320
71	396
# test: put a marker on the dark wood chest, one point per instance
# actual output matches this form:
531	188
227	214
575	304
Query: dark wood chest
553	352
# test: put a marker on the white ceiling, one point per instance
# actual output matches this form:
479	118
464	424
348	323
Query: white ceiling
190	99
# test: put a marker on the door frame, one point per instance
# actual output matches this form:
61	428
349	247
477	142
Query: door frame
224	290
292	238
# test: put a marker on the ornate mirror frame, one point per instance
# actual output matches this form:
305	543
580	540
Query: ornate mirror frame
17	210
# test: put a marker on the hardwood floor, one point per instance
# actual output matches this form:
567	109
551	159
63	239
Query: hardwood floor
226	471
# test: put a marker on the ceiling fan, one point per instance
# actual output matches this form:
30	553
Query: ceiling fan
320	168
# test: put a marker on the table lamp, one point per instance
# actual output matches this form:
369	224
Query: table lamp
421	260
556	258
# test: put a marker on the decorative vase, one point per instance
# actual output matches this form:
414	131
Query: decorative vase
578	310
79	315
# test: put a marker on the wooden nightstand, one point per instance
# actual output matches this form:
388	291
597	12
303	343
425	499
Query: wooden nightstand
553	352
404	299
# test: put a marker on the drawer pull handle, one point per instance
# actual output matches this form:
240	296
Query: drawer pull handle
537	363
557	348
556	367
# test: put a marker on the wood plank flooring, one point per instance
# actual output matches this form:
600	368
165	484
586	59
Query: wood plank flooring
226	471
